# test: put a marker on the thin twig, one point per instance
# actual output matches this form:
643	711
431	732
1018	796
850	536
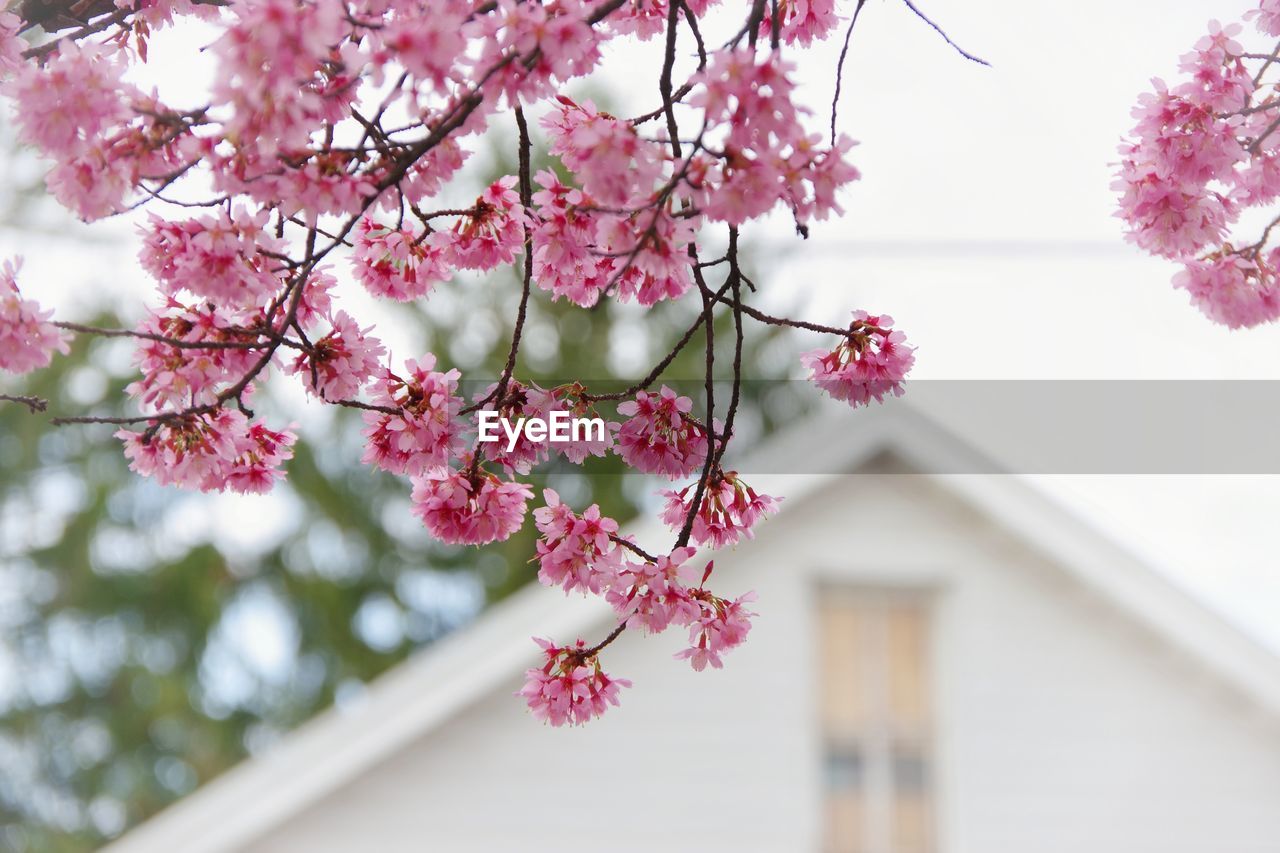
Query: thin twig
844	52
35	404
960	50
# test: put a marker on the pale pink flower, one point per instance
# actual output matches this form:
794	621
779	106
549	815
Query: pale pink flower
469	506
722	625
216	256
1232	289
209	452
271	65
589	442
802	21
656	595
576	552
519	402
342	362
430	46
1266	17
430	172
556	36
659	437
181	376
570	687
398	264
653	248
767	156
11	44
869	364
614	164
493	232
729	509
565	258
76	108
262	452
527	402
27	338
424	436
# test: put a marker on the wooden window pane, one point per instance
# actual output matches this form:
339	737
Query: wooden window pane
876	718
842	670
845	823
908	678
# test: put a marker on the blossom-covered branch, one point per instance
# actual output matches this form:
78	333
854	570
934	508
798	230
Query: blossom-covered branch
1203	153
331	136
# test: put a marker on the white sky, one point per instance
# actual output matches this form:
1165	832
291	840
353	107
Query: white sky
986	200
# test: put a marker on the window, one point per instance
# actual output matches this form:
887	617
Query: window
874	673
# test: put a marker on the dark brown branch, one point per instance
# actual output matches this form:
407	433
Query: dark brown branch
526	199
613	635
664	81
633	547
735	279
708	325
652	376
163	339
35	404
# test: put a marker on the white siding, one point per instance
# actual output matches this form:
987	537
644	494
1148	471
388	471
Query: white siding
1062	725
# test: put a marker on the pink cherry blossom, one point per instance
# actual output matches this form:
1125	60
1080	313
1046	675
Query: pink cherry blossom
269	62
576	552
1266	17
729	509
614	164
333	129
186	375
556	35
262	452
768	156
655	595
493	232
570	687
721	625
519	402
398	264
587	443
209	452
565	258
75	108
218	256
432	53
803	21
423	436
27	338
651	249
469	506
342	362
869	364
659	437
11	44
1232	289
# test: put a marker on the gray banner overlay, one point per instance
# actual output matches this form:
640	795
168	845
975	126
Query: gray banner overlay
1028	427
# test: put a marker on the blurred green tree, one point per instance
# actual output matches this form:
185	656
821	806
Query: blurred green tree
141	653
144	649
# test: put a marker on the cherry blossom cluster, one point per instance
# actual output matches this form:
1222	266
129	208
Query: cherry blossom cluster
27	338
570	687
729	509
1203	153
324	150
869	364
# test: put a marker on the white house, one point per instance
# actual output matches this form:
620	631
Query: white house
941	664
